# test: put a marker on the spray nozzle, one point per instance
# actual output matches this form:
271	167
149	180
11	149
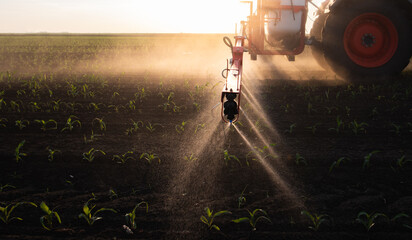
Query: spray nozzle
230	107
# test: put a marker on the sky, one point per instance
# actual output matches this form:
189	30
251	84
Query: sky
121	16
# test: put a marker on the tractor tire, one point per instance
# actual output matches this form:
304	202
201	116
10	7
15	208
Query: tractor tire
368	39
316	35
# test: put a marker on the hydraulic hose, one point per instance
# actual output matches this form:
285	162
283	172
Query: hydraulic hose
228	43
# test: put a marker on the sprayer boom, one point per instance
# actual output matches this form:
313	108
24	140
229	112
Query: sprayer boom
233	80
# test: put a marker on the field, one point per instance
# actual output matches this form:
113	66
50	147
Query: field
127	123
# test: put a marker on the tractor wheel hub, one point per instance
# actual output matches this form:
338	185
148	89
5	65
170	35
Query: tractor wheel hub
368	40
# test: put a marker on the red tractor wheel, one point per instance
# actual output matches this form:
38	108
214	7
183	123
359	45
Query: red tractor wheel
369	38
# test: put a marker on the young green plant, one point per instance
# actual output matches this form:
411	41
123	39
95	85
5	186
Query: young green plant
123	157
368	220
89	215
71	122
131	216
209	218
90	155
149	157
254	217
47	219
44	124
228	157
315	219
6	211
17	152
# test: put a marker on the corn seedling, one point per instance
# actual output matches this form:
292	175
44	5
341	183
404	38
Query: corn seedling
123	158
358	127
286	108
112	194
15	106
151	127
313	128
52	153
339	125
5	186
3	122
331	109
241	200
228	157
291	127
396	129
47	219
72	91
337	163
210	217
56	105
263	152
90	216
199	126
44	124
95	106
401	216
17	153
368	220
100	122
140	95
93	137
114	95
90	155
367	159
71	106
400	163
180	128
135	126
34	106
254	217
131	216
22	123
190	158
116	108
2	103
71	122
6	211
20	92
315	219
196	106
131	105
299	160
149	157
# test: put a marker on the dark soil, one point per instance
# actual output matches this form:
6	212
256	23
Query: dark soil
284	172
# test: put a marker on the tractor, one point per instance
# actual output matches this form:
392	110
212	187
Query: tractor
356	39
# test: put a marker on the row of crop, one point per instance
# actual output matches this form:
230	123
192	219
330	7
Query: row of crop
90	214
89	156
367	220
56	106
97	124
257	154
354	127
395	90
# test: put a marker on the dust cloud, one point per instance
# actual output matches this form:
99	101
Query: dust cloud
198	56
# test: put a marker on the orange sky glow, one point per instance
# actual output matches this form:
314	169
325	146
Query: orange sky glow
121	16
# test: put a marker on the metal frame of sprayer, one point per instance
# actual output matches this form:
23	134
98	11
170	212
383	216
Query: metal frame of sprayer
258	32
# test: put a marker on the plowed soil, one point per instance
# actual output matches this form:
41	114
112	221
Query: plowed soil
282	156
